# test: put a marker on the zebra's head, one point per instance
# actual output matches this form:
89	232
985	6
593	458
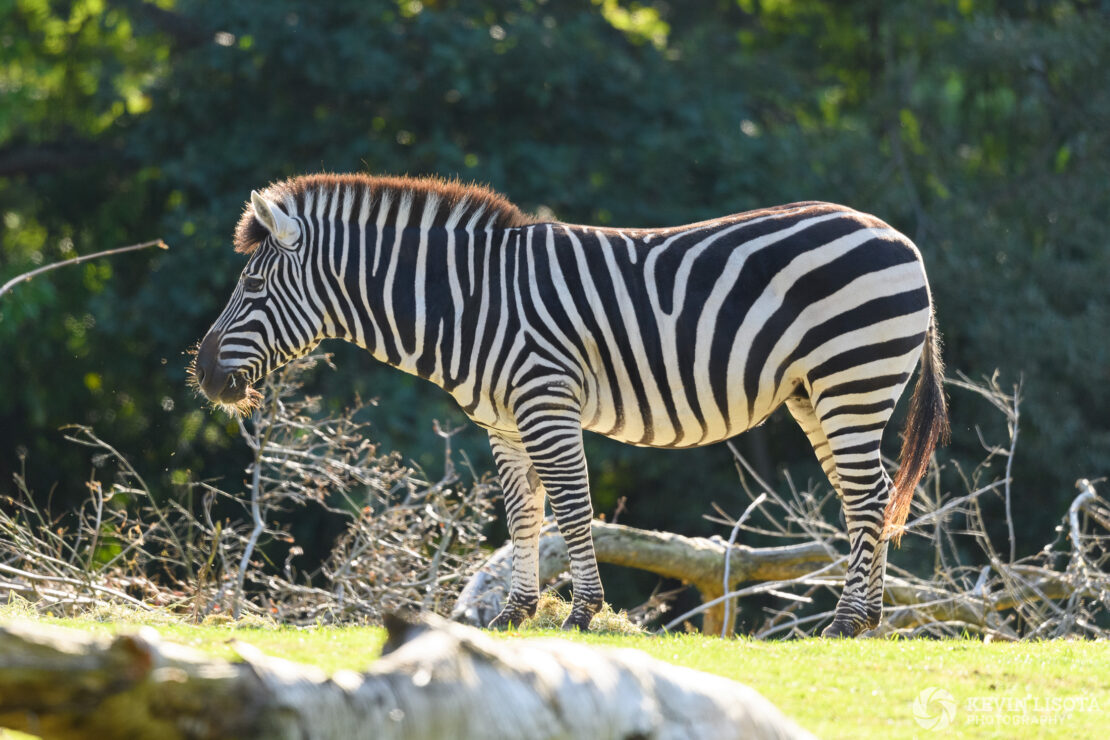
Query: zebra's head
269	320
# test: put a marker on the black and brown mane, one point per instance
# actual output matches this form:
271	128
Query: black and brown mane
249	233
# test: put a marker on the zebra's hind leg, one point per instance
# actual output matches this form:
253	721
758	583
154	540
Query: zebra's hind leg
524	510
877	580
860	605
875	586
852	425
802	410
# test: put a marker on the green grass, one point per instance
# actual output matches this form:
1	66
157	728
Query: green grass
835	688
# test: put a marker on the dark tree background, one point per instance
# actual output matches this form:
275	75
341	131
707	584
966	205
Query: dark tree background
980	128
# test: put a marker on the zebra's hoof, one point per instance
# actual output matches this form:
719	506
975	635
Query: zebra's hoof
578	620
509	617
581	615
841	629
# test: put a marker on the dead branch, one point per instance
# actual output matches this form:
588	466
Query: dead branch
78	260
439	680
407	543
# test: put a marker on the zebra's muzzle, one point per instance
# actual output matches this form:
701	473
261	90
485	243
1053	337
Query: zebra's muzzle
217	383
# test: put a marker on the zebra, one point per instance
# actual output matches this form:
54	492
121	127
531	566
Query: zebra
659	337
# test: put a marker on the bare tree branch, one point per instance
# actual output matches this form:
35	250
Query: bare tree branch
78	260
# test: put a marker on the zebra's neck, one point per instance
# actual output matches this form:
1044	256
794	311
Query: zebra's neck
408	277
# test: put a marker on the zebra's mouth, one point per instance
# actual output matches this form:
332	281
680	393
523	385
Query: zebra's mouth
234	390
240	401
238	397
231	391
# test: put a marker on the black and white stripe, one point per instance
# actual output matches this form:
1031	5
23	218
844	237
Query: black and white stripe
674	337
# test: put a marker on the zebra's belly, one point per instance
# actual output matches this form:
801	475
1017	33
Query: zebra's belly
674	426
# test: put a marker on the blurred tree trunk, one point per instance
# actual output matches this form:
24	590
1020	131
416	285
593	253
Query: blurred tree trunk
440	680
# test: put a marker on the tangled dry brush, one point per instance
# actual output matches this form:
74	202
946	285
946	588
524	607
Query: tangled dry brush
407	541
410	542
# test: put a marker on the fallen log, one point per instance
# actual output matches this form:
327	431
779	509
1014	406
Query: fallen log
695	560
439	680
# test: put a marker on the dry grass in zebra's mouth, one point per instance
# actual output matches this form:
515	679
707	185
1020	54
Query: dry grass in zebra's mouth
250	399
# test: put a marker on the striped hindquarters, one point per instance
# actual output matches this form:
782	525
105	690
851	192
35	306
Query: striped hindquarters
684	337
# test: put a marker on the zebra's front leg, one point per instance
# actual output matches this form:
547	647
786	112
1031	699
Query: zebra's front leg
524	511
552	436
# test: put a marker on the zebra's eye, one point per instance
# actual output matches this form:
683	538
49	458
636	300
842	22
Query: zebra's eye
253	284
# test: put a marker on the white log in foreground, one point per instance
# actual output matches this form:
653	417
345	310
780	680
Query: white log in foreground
438	680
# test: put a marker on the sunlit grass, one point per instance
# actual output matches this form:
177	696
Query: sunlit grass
835	688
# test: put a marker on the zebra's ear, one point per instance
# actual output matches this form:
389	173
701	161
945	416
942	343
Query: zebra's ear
284	229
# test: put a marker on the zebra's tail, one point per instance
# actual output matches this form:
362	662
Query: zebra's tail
926	426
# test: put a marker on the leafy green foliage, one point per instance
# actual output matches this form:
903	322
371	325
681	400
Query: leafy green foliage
974	126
